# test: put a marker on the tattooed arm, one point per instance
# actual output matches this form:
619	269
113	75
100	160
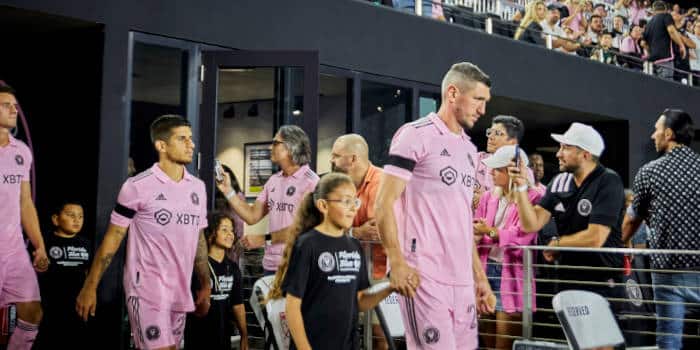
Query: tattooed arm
201	270
87	299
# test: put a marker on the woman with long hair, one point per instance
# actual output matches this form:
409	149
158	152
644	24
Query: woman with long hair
530	29
323	272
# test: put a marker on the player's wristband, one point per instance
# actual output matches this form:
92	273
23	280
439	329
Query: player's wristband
522	188
230	194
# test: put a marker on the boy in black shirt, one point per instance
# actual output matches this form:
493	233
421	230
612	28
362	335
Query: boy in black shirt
70	256
213	331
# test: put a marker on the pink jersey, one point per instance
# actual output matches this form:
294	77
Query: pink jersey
164	219
435	222
15	164
282	195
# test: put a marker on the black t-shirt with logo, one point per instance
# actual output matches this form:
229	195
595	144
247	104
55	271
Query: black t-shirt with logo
656	35
70	262
599	200
326	273
215	329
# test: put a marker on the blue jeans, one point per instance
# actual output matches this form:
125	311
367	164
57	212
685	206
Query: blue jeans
493	272
673	287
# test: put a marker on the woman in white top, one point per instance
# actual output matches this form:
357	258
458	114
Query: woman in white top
695	53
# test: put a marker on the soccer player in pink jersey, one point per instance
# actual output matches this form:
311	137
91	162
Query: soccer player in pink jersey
430	178
164	209
281	195
18	281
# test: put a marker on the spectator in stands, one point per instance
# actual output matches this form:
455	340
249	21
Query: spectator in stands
639	238
550	26
666	198
504	130
529	29
537	167
70	255
676	9
595	30
221	204
618	31
605	52
658	34
695	54
282	193
681	63
498	233
637	12
622	8
631	46
515	22
588	9
576	19
600	10
214	330
587	201
350	156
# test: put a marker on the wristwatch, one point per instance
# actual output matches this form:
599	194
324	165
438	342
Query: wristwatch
554	238
493	232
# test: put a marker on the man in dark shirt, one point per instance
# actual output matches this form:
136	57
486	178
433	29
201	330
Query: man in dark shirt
658	34
587	202
666	196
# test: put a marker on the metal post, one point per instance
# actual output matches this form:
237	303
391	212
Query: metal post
549	41
368	314
527	295
419	7
690	78
489	25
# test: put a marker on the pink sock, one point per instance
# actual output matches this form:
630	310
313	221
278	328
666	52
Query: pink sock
23	336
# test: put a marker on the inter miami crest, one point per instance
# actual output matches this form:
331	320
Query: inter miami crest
195	198
291	190
431	335
152	332
19	159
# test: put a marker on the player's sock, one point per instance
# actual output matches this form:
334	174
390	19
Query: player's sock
23	336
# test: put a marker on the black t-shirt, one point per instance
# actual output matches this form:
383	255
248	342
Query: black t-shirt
70	262
657	37
533	34
599	200
326	273
215	329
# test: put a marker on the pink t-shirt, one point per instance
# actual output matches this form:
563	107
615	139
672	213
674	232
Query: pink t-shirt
164	218
435	219
282	195
15	165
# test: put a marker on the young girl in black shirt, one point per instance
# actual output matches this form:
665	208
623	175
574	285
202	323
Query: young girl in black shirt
323	270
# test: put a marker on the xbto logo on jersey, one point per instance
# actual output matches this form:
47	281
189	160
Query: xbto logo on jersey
11	179
279	206
164	216
19	159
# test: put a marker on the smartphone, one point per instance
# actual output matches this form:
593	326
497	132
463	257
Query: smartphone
218	170
517	156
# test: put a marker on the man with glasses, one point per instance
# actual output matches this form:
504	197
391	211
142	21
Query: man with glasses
291	151
18	281
350	155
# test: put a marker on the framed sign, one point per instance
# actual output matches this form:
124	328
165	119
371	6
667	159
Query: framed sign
258	167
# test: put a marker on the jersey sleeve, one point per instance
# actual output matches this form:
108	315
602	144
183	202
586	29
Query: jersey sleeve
549	200
128	203
608	202
405	151
298	271
236	294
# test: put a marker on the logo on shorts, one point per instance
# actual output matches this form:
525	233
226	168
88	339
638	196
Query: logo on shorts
584	207
152	332
431	335
291	190
56	252
448	175
163	216
634	292
195	198
326	262
19	159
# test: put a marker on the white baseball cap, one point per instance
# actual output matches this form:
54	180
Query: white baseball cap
503	156
582	136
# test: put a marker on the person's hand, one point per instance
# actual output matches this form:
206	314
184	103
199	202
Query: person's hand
485	299
244	343
253	241
225	185
41	261
367	231
202	303
86	303
518	174
551	255
404	279
480	227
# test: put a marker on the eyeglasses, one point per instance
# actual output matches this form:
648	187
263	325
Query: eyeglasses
8	105
350	203
494	132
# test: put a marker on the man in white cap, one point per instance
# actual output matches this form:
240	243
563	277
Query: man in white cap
587	202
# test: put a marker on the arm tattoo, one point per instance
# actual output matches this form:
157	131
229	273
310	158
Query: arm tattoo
106	259
201	260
